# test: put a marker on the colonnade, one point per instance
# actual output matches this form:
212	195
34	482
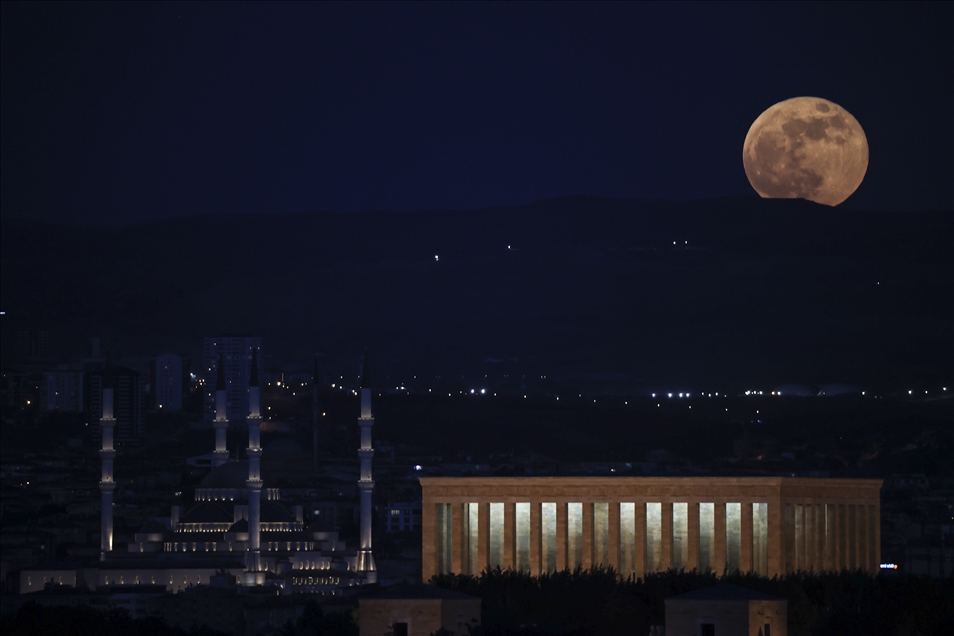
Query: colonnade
542	525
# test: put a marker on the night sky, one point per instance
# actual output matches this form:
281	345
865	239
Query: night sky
123	112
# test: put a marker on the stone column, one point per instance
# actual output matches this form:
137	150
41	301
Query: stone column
510	543
720	559
428	539
746	561
639	550
666	561
483	537
693	536
457	538
778	533
613	548
561	555
535	534
587	535
876	524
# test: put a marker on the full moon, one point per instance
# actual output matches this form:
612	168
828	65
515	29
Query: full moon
806	148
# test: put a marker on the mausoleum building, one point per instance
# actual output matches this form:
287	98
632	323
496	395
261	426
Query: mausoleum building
640	525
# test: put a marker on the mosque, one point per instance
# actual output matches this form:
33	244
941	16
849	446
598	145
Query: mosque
239	527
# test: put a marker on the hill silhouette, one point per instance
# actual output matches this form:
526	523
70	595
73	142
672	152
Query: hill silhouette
720	290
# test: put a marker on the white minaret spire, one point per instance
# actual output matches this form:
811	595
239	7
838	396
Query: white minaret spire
365	482
254	574
221	421
107	485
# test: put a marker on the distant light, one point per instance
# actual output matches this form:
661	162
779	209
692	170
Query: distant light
670	394
483	391
417	466
508	247
909	392
654	395
436	257
889	566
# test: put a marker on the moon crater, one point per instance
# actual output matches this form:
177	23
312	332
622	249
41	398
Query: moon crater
808	148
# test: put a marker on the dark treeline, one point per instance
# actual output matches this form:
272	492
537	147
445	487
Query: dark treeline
598	602
35	620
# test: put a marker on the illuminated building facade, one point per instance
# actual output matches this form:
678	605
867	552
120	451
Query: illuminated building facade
640	525
128	388
167	382
236	353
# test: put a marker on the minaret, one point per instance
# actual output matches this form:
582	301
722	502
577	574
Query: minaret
254	574
221	421
107	424
315	417
365	483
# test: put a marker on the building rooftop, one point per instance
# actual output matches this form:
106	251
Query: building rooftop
420	591
725	592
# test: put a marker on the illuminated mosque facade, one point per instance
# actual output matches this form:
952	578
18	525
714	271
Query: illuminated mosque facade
640	525
238	525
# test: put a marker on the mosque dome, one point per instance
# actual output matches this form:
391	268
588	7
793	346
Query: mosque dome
228	475
207	513
798	390
283	446
840	389
285	458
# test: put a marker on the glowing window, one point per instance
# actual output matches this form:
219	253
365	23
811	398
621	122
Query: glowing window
627	539
706	536
760	538
601	534
574	535
522	538
653	537
496	535
445	536
548	526
733	536
471	529
680	535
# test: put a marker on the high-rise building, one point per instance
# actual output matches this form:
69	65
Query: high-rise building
64	389
128	394
167	382
236	354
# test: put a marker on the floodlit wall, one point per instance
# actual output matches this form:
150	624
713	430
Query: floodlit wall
742	617
767	525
